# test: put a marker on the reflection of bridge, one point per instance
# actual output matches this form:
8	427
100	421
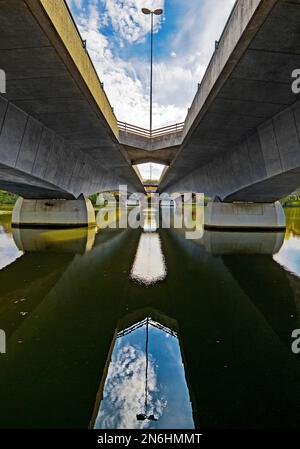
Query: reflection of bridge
60	138
75	313
140	324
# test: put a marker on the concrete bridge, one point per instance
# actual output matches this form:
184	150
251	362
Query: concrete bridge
59	135
61	140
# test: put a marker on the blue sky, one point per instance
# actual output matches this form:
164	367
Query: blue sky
124	390
117	36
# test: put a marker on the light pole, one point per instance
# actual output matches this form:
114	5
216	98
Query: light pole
157	12
144	416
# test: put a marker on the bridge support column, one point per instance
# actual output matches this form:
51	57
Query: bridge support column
244	216
30	213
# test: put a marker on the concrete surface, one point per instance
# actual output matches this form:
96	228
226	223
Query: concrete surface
161	150
36	162
53	89
241	135
247	216
58	133
53	213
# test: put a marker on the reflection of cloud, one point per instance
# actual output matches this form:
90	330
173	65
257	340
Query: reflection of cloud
289	255
8	250
124	391
149	264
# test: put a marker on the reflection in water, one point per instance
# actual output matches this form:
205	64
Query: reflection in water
289	256
78	240
8	250
149	265
217	242
234	304
143	382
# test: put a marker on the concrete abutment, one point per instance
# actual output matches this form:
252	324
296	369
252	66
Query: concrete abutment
244	216
30	213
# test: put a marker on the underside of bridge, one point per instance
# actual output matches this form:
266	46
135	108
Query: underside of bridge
59	137
241	136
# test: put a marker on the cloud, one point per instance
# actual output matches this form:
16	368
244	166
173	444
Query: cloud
76	3
124	391
128	21
126	77
146	171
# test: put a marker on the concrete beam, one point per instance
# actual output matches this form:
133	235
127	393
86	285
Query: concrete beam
229	148
35	162
54	86
161	150
262	168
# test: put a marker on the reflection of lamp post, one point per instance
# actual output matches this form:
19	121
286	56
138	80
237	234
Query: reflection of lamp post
157	12
144	416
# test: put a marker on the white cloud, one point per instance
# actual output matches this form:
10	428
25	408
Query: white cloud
127	19
77	3
124	391
126	82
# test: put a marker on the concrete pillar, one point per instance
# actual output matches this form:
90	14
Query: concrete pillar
53	213
244	216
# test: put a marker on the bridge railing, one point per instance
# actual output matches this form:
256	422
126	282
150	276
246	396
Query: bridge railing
132	129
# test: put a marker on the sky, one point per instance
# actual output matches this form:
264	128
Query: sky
118	41
124	389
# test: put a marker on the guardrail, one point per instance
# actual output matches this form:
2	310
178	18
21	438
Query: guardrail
132	129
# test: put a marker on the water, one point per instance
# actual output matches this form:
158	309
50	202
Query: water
145	329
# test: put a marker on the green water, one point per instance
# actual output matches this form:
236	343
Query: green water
104	326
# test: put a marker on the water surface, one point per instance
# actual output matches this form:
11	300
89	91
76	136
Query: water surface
145	329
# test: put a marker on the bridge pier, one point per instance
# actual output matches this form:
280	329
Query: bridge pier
244	216
30	213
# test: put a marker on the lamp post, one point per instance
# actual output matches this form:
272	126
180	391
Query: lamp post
157	12
144	416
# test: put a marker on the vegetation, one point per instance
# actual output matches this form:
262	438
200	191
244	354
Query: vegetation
7	198
94	197
291	200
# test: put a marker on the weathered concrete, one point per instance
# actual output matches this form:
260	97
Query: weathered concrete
241	135
263	167
36	162
244	216
59	135
53	213
161	150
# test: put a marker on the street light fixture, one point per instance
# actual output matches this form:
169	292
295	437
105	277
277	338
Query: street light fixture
156	12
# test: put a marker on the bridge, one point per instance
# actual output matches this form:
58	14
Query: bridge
60	139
